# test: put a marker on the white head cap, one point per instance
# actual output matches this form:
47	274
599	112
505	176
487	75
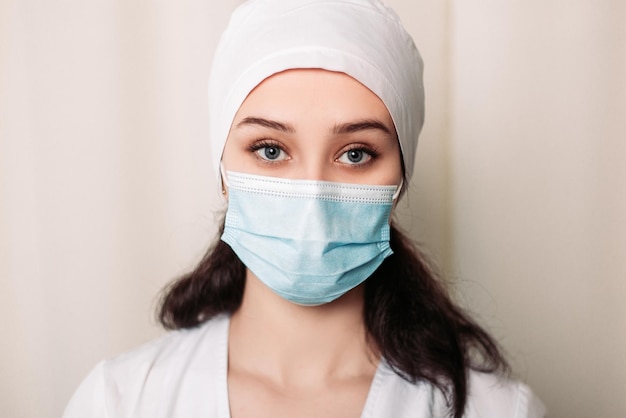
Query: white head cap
362	38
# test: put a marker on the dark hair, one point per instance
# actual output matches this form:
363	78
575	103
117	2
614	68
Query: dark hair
408	313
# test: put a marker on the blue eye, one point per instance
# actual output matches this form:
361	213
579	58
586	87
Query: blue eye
355	156
270	152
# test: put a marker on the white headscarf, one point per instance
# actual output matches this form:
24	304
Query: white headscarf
362	38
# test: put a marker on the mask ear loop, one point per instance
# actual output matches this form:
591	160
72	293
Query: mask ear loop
223	180
398	190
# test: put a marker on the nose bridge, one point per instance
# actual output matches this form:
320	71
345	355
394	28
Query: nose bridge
315	170
315	164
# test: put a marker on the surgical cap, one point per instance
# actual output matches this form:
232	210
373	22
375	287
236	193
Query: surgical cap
361	38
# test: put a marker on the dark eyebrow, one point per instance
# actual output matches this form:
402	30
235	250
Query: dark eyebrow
362	125
266	123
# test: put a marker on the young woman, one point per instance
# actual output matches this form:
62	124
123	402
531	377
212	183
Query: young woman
312	303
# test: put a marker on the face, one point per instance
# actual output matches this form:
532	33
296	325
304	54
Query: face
317	125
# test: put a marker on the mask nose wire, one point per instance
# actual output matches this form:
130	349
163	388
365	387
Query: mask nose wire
224	180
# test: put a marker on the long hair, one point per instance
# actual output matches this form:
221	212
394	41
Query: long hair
409	315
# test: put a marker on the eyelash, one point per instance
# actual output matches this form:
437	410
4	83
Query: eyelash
265	143
372	152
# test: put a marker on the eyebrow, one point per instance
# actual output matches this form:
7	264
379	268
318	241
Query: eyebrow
338	129
266	123
361	125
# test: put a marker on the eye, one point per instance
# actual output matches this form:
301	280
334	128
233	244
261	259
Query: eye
356	156
269	151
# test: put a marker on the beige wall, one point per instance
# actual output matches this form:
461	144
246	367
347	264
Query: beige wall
519	193
105	187
538	185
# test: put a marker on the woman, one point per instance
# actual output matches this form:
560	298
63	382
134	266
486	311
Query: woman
311	304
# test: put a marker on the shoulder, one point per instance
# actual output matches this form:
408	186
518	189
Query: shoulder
155	374
495	396
176	350
489	396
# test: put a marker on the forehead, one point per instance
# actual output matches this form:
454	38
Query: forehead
317	92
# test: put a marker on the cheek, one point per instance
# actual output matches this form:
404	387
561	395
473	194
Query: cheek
233	157
394	171
227	151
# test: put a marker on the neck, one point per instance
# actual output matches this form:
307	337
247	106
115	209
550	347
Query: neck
289	343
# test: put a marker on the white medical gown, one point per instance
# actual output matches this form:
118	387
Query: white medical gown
184	375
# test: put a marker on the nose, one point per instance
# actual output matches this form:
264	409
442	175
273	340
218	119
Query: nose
315	173
315	167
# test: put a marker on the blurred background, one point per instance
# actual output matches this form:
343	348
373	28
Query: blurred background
107	193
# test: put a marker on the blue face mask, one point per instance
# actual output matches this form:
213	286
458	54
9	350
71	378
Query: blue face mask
308	241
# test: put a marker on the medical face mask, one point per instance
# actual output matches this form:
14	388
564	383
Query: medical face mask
309	241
